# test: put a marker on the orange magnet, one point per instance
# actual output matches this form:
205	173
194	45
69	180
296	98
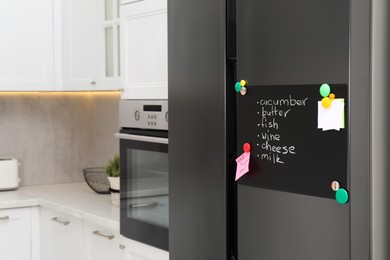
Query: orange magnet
332	96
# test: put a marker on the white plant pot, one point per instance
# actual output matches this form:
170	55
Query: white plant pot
114	185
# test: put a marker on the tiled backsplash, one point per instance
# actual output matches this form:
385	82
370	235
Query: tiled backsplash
55	135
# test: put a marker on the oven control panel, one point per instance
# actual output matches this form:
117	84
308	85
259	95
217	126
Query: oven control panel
144	114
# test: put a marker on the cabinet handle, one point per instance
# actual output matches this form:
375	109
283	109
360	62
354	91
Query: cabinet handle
64	222
93	83
109	237
122	246
142	205
4	218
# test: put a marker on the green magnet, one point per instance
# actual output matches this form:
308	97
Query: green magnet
238	87
324	90
342	196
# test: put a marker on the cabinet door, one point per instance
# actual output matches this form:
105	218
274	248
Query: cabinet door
86	45
138	251
26	46
61	236
102	243
108	38
76	44
144	48
15	234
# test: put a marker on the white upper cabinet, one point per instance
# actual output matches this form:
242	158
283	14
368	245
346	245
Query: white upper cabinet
109	51
144	49
57	45
76	44
26	45
81	45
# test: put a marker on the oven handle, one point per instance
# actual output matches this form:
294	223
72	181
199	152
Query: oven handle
142	138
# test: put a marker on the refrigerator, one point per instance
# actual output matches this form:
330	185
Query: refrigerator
300	90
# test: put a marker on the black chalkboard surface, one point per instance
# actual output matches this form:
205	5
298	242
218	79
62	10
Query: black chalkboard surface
288	150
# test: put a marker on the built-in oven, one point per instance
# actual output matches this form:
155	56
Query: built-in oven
144	204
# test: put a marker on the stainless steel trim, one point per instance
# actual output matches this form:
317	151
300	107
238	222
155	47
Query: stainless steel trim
141	205
132	114
109	237
64	222
142	138
4	218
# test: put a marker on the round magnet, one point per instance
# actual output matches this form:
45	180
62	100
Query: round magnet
342	196
324	90
247	147
335	185
237	86
332	96
326	102
243	83
243	91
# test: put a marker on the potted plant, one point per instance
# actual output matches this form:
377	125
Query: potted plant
113	173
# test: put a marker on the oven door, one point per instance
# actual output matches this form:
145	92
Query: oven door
144	186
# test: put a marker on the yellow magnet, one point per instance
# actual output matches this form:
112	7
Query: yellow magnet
243	83
332	96
326	102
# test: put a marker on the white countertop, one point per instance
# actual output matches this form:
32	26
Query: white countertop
75	199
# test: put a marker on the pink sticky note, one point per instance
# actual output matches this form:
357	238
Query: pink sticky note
242	165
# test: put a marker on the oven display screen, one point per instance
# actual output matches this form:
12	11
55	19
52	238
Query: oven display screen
152	108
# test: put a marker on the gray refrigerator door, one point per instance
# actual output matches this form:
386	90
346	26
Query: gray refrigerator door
284	42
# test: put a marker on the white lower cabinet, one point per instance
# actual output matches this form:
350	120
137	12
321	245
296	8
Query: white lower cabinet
102	243
138	251
17	236
66	237
61	236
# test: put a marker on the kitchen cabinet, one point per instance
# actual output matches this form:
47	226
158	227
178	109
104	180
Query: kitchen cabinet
144	49
18	234
61	236
57	45
138	251
109	59
81	46
64	236
102	243
26	48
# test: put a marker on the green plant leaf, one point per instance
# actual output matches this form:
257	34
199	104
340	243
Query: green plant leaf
112	167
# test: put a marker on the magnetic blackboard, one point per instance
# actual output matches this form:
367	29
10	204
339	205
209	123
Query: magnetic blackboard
289	152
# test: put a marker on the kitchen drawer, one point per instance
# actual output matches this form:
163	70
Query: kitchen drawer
61	236
15	234
102	243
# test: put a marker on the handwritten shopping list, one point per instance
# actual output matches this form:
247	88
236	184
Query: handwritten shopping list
271	113
331	118
242	165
